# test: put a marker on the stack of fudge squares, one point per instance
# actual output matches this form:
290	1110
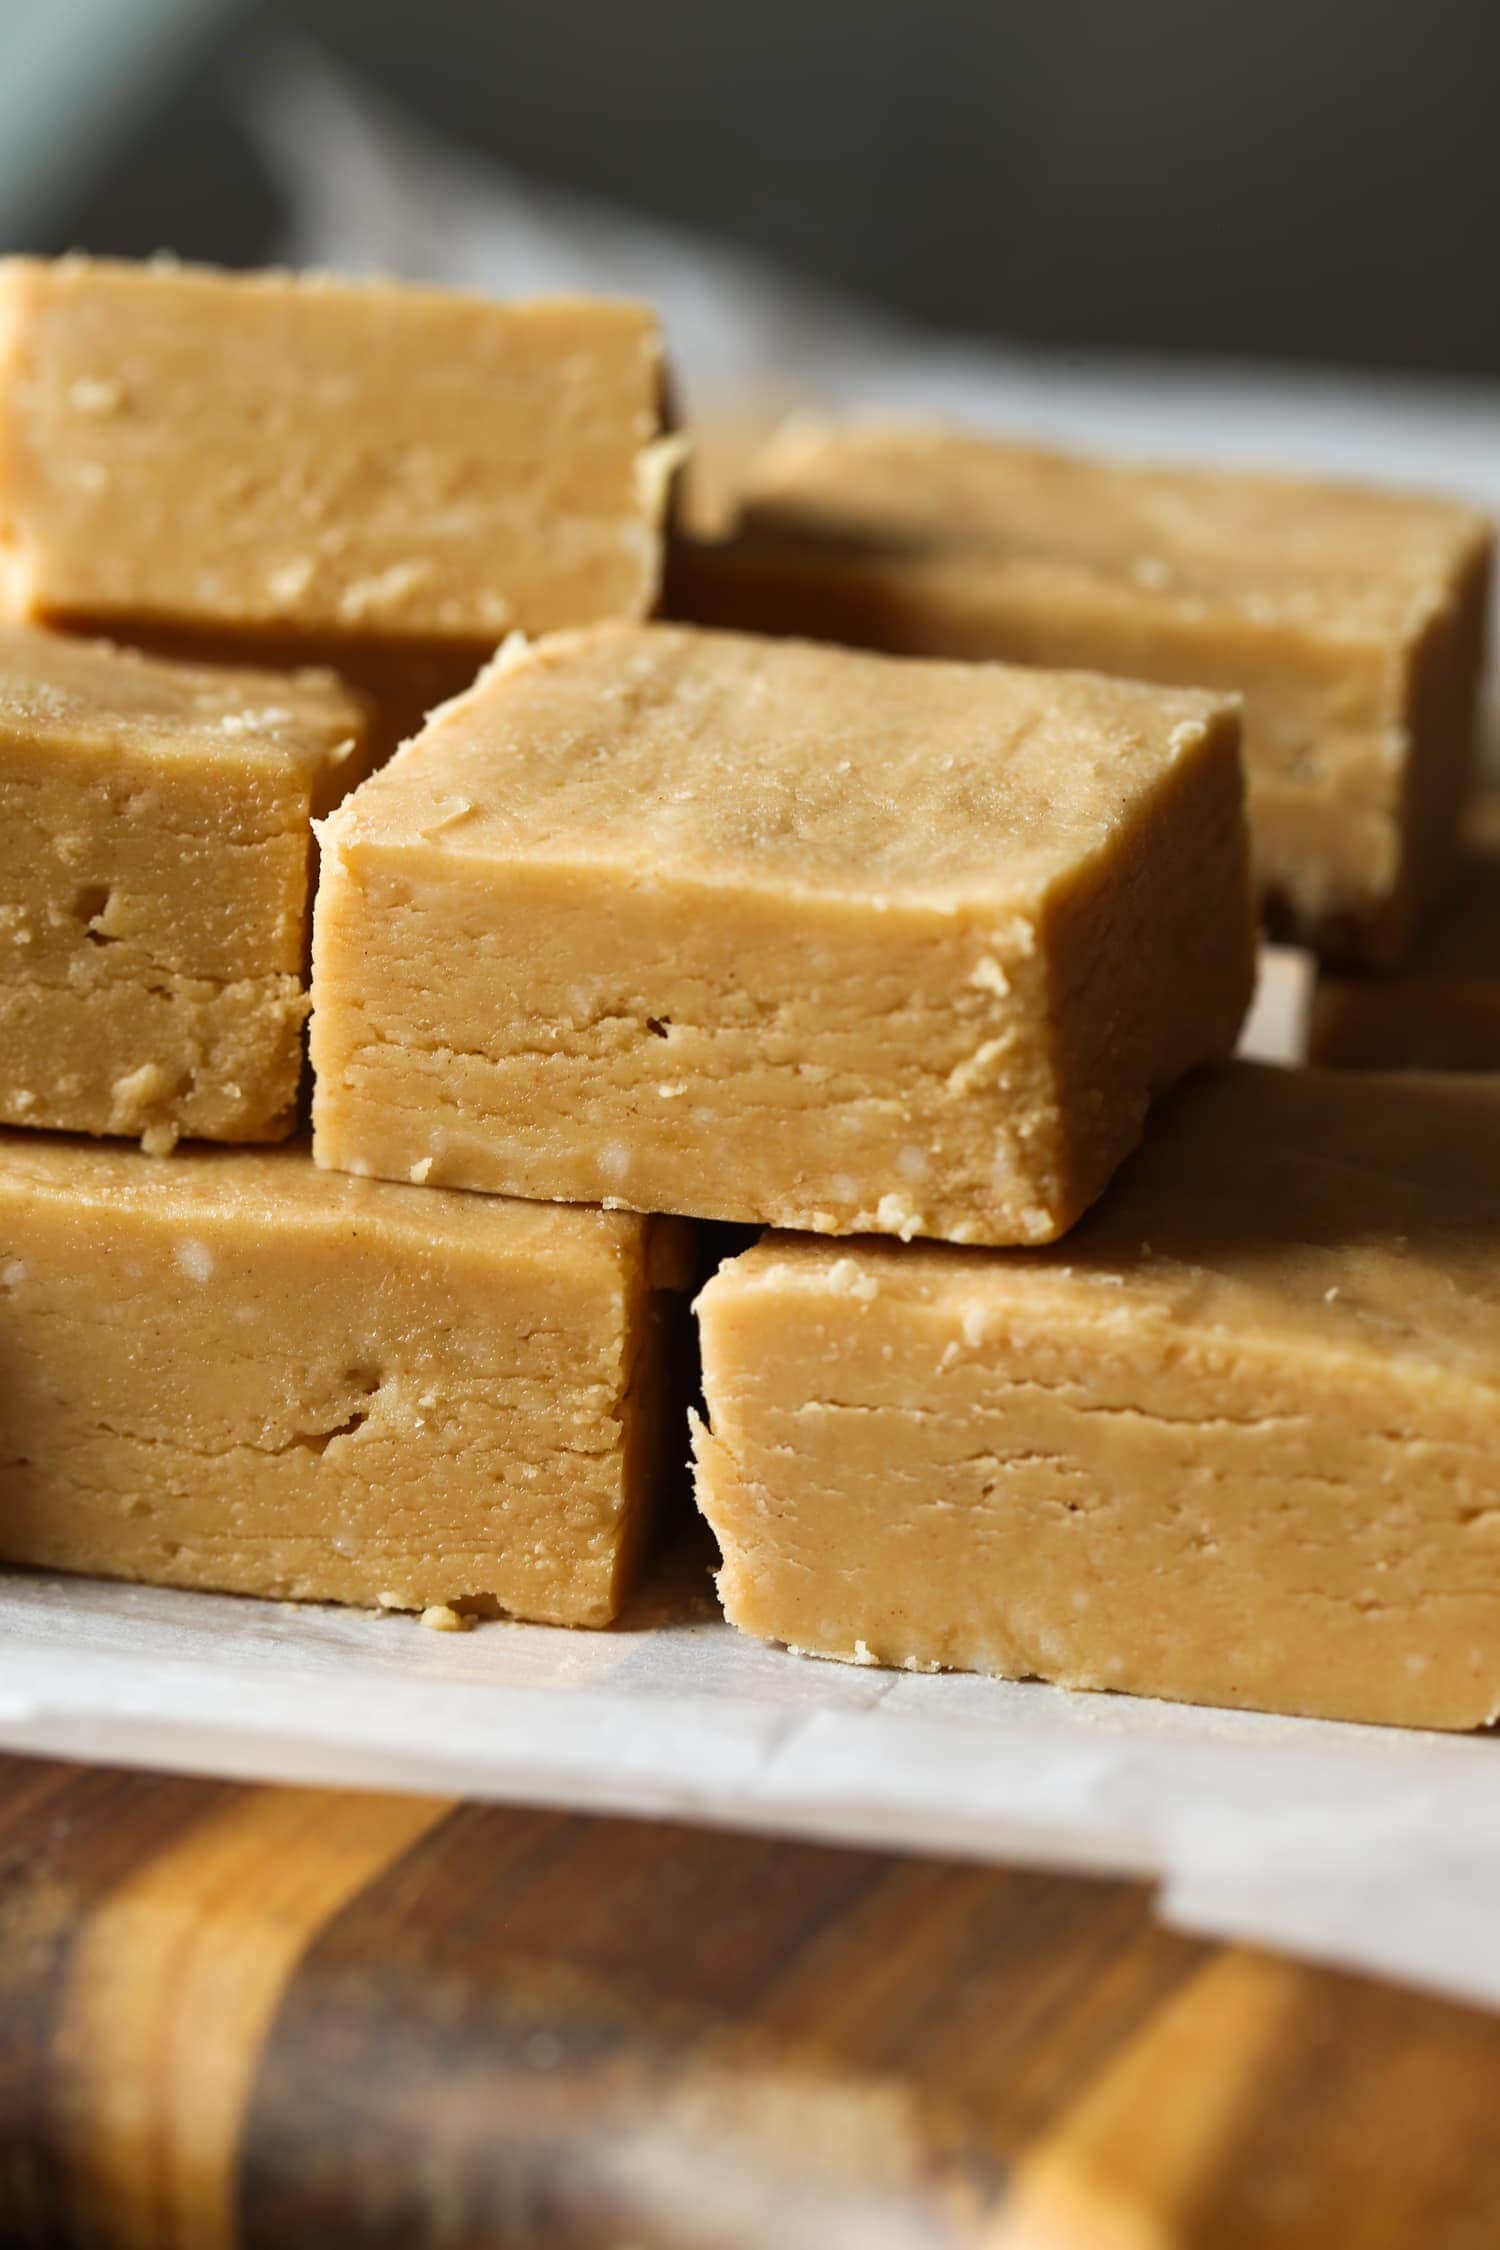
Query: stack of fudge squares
894	892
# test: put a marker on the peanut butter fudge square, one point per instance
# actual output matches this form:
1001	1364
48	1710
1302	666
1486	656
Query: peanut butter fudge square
235	1371
1351	620
155	878
1236	1441
301	459
758	930
1442	1011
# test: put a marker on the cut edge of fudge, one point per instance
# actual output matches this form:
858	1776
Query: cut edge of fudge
346	1454
1441	1010
122	1013
292	620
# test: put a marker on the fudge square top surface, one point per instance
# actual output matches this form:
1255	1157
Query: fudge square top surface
1312	1215
1346	562
764	931
65	695
1352	621
238	1198
721	759
308	458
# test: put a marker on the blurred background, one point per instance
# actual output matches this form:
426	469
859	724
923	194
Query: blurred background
1253	179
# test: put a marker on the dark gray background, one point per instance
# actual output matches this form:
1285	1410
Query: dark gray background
1271	178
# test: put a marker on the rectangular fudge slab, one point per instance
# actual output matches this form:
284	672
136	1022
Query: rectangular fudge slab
234	1371
1351	620
1237	1441
155	886
281	456
1443	1011
755	930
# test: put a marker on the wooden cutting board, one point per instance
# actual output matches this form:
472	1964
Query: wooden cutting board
271	2017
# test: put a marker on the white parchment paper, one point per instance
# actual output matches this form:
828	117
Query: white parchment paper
1372	1848
1364	1846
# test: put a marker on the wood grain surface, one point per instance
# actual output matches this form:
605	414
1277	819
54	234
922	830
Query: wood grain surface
267	2018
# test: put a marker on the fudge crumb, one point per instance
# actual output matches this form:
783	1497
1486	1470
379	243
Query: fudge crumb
845	1275
894	1215
988	976
383	588
441	1617
290	580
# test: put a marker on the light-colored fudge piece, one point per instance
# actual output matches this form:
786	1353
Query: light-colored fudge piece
1351	620
1443	1011
281	456
1236	1441
755	930
156	856
237	1371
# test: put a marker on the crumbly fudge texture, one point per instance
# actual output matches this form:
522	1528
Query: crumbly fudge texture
1236	1441
234	1371
758	930
1351	620
155	886
1443	1011
272	455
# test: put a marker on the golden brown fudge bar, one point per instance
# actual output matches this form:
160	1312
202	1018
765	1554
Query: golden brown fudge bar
1443	1011
1351	620
236	1371
155	878
1237	1441
278	456
756	930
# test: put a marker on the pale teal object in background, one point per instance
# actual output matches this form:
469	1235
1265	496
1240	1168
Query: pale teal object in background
74	75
